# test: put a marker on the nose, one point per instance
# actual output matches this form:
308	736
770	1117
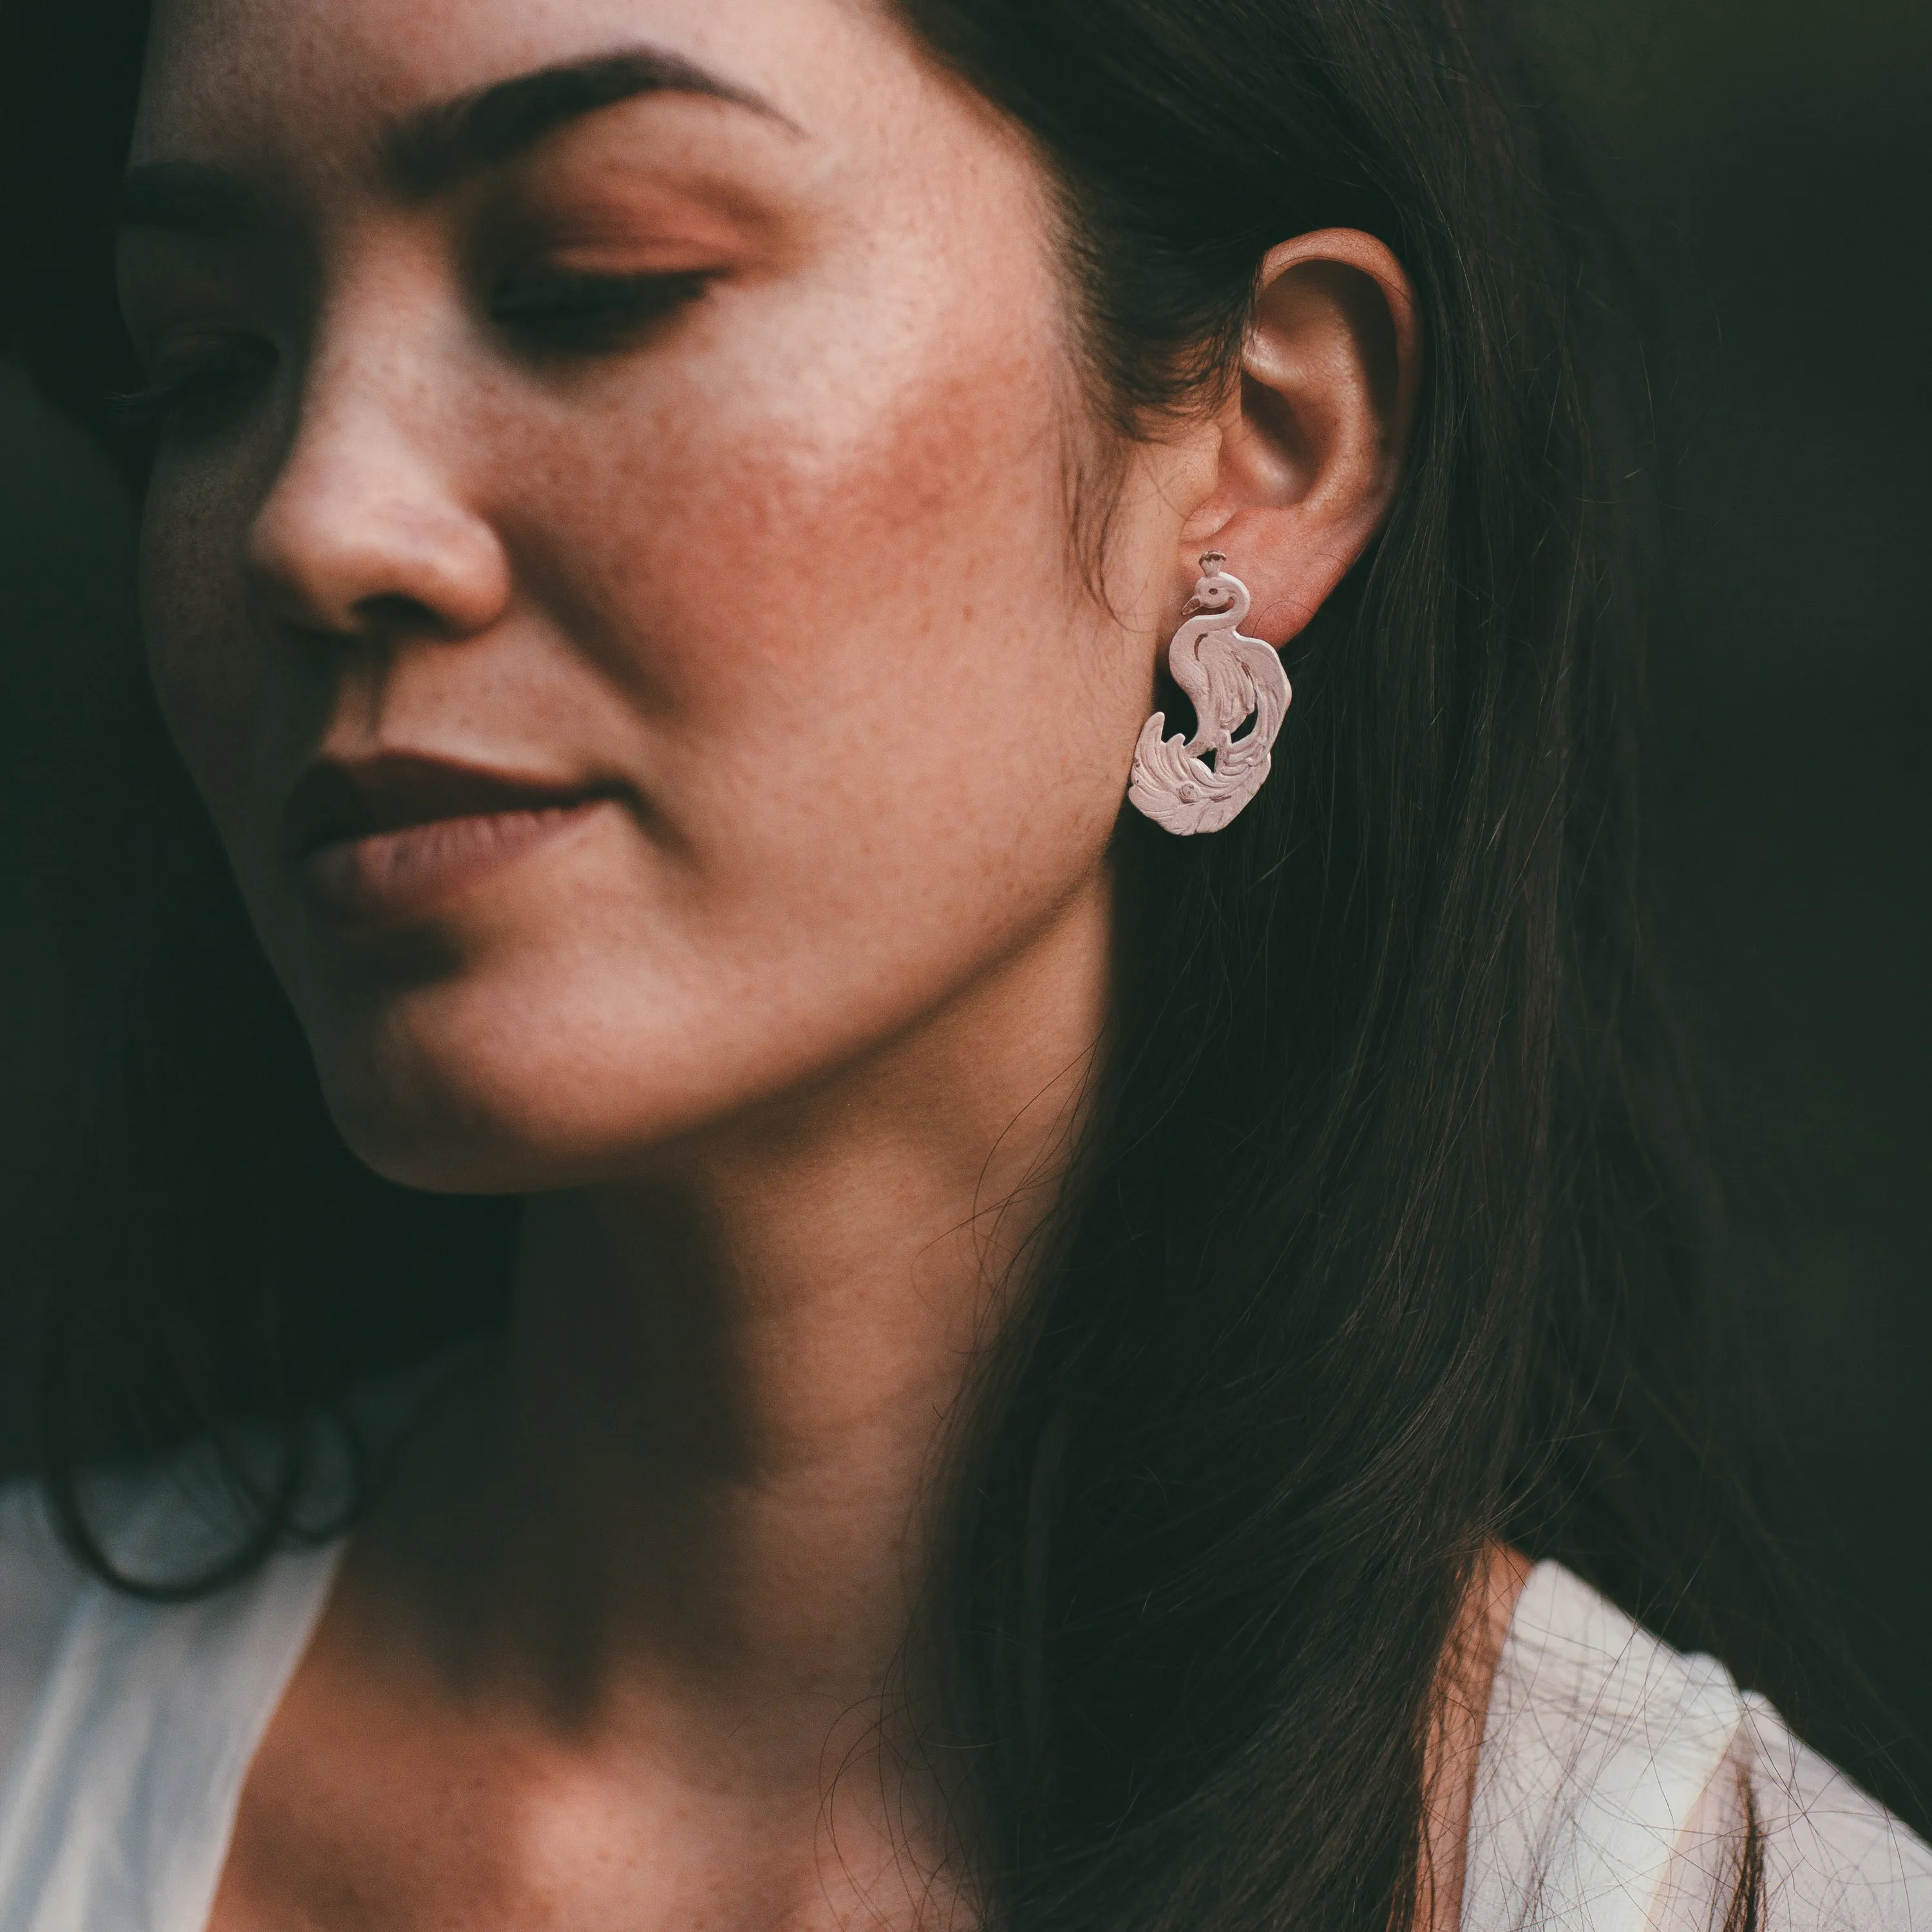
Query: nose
367	531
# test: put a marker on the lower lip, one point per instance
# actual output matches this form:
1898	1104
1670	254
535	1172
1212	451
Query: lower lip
391	876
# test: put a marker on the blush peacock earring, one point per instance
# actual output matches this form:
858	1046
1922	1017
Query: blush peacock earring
1230	679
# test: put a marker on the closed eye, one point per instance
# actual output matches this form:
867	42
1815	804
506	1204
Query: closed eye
561	312
197	393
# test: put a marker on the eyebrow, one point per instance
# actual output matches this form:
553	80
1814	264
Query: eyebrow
435	146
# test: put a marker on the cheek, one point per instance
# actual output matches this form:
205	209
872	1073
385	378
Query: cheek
882	729
855	591
207	678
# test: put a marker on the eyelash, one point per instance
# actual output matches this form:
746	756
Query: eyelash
557	312
560	311
203	386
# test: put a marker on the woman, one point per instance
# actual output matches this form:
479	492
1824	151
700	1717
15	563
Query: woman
723	573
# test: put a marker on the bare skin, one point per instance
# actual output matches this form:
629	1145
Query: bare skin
1455	1745
612	572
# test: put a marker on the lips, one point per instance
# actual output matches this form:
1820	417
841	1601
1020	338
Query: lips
393	837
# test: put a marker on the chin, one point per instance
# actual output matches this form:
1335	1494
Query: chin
435	1138
429	1099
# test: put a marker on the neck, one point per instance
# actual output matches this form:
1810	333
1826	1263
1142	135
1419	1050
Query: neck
697	1468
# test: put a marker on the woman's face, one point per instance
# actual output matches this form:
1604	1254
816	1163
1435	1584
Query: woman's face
607	566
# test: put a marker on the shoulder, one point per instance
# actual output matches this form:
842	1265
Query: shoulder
153	1518
1833	1856
80	1659
1619	1779
40	1586
127	1724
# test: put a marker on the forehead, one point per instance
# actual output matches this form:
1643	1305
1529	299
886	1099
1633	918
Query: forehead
315	75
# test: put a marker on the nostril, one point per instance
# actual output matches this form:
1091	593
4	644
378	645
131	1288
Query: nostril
339	562
394	615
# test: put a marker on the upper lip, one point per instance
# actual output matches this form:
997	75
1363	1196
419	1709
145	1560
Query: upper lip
337	798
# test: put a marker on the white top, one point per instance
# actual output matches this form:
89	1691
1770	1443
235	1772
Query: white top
1610	1784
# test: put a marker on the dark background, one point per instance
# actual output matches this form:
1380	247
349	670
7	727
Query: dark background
1774	163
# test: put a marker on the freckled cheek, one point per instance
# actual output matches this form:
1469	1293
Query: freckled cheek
814	553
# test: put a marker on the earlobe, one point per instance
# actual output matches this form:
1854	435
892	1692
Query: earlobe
1313	439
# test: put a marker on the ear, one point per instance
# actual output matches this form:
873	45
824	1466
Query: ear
1312	440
